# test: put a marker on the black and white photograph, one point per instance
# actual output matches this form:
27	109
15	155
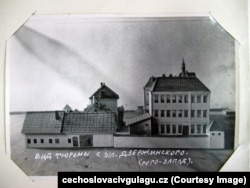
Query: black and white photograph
121	93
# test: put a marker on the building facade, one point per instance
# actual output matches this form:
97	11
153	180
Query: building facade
179	105
104	99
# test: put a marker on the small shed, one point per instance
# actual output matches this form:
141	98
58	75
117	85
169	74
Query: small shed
139	125
217	136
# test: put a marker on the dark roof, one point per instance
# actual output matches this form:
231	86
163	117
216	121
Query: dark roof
104	92
42	123
150	82
58	122
179	84
67	108
89	123
216	127
128	114
137	119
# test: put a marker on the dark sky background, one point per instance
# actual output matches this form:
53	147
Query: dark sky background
57	60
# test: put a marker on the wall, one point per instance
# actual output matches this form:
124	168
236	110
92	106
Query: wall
62	143
182	106
100	140
141	129
217	139
110	104
105	140
161	142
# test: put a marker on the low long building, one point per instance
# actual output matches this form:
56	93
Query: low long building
69	129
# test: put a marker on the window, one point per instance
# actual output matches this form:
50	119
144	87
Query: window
162	128
219	134
198	98
162	113
174	128
179	98
173	113
57	141
42	141
192	98
168	98
204	113
50	141
185	113
192	128
198	128
168	128
179	113
186	98
192	113
168	113
156	98
162	98
146	125
69	140
204	128
35	141
102	94
204	98
179	128
174	99
198	113
28	141
156	113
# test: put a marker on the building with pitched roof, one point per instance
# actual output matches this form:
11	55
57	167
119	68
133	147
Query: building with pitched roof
179	104
69	129
176	115
104	99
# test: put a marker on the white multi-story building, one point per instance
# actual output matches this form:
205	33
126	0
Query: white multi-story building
179	105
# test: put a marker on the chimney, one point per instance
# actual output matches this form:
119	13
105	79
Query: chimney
170	75
57	116
102	84
163	75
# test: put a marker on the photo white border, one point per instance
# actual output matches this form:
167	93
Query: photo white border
232	15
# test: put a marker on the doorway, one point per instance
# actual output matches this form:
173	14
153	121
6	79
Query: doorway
86	140
75	141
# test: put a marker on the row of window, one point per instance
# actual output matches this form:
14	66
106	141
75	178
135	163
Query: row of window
42	141
180	98
180	113
178	129
169	129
